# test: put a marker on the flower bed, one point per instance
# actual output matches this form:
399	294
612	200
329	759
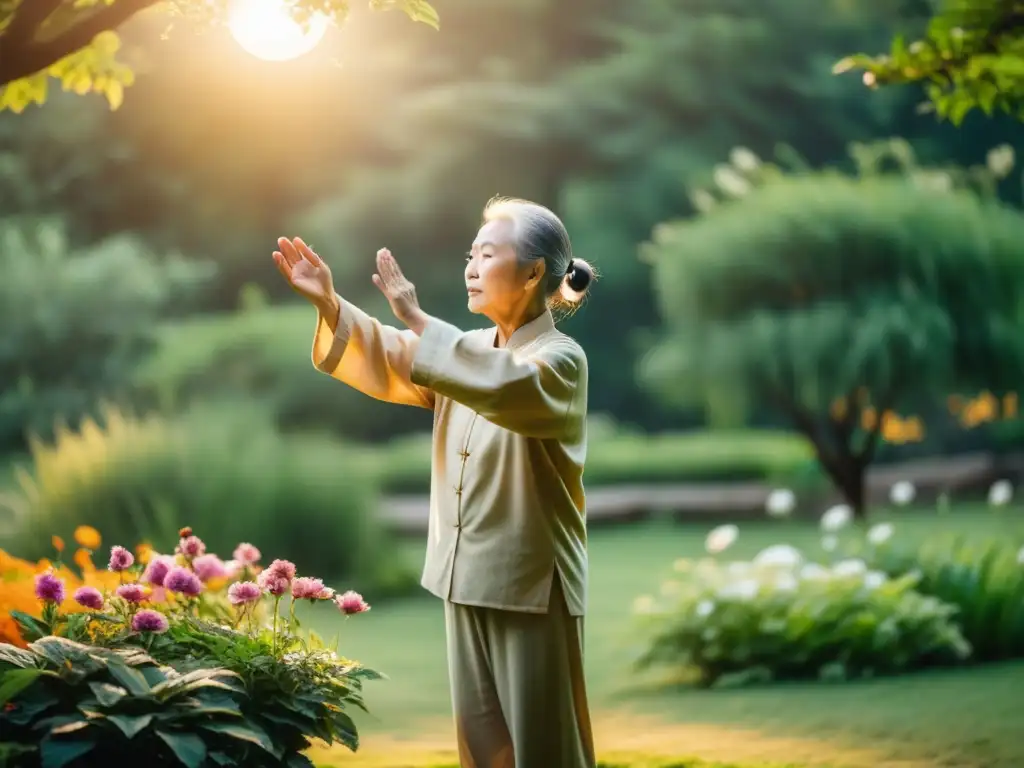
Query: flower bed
170	659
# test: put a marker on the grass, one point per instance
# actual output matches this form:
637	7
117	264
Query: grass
970	718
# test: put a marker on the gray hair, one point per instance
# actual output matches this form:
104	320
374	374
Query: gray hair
539	234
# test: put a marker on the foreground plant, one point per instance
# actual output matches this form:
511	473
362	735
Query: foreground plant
184	617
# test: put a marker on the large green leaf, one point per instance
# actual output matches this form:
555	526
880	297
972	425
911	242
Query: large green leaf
243	732
15	681
16	657
196	680
129	725
31	627
56	753
187	747
130	678
107	694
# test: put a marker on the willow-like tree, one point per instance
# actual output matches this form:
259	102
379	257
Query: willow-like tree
75	41
808	292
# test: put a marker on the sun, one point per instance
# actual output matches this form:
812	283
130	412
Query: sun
265	29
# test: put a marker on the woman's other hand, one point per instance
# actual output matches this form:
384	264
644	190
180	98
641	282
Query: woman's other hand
400	293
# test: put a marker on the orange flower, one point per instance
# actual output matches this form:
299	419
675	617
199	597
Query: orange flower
83	559
88	537
58	543
143	553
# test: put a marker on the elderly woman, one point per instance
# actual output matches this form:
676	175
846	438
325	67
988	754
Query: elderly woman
507	539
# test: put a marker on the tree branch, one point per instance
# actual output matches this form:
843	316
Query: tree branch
21	55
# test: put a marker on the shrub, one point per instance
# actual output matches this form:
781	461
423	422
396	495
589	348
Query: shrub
215	676
75	322
983	578
140	479
622	458
779	617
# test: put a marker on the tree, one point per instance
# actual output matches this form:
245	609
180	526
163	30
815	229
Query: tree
837	300
75	41
971	57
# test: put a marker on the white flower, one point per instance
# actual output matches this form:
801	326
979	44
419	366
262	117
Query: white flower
745	589
779	555
643	604
1000	493
730	182
721	538
670	588
814	572
744	159
902	493
881	533
682	565
836	517
705	608
781	502
829	543
1020	556
874	579
852	567
738	569
786	582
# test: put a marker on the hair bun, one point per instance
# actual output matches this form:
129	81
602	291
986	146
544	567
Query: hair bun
578	276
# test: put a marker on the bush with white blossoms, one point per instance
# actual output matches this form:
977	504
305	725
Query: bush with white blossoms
781	617
184	659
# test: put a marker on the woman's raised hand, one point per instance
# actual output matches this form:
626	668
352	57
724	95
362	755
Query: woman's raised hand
305	271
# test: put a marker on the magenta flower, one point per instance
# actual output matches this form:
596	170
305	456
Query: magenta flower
120	559
148	620
132	593
244	592
246	554
49	588
351	602
273	582
158	569
183	581
283	568
89	597
191	546
307	588
209	567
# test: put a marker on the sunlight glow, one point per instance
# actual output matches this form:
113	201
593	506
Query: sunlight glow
265	29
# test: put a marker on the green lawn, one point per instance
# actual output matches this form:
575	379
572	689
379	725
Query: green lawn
958	718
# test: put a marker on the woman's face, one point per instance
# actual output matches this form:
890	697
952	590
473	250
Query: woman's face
499	286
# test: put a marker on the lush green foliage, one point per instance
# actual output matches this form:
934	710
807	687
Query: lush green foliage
74	41
77	321
780	618
212	677
141	479
971	57
983	578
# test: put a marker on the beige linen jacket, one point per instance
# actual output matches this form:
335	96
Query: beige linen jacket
507	506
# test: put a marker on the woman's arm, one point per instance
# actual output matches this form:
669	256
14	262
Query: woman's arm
369	356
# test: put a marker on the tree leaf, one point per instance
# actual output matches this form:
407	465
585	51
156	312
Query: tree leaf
130	678
187	747
56	753
15	681
130	726
17	657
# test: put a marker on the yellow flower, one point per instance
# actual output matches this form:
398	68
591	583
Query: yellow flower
83	559
88	537
58	543
143	553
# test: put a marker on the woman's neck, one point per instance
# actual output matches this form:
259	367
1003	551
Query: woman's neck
508	327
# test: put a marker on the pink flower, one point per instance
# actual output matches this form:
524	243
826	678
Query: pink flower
307	588
49	588
209	567
157	570
272	582
182	580
120	559
244	592
147	620
191	546
132	593
246	554
283	568
351	602
89	597
325	594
